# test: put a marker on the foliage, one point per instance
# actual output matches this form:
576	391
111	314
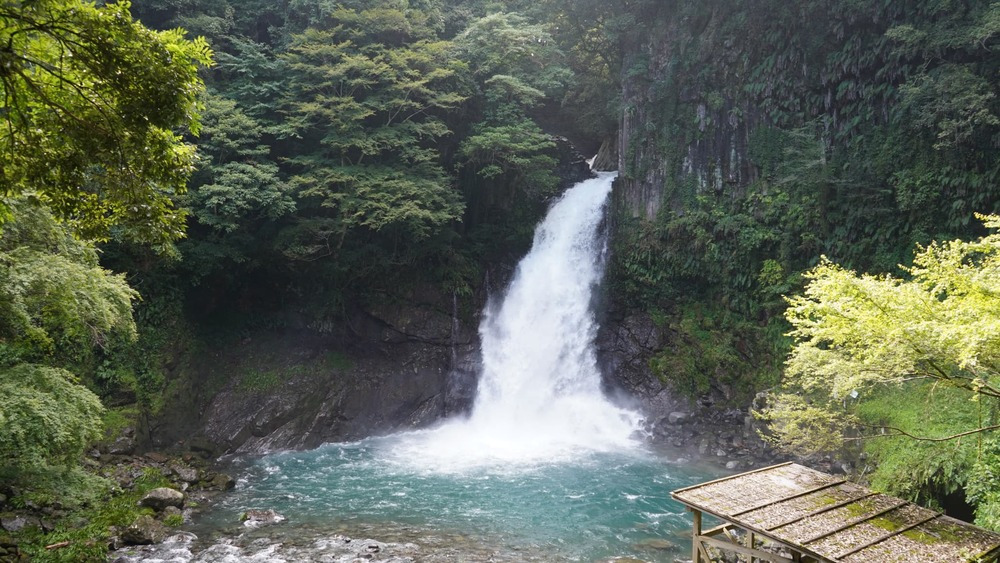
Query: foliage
57	303
984	485
368	164
714	348
516	66
914	359
758	138
236	195
91	102
46	418
236	184
922	471
58	307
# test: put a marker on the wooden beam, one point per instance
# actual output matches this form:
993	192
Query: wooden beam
696	532
736	548
718	529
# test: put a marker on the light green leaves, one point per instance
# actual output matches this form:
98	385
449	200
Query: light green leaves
57	302
45	417
910	364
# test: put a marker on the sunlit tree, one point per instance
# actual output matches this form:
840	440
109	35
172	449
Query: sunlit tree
910	365
92	109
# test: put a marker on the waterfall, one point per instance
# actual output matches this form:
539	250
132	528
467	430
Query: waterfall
539	398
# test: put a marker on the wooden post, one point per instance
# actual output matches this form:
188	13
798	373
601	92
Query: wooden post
695	538
750	542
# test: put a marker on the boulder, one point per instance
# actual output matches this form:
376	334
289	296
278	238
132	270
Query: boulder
185	473
17	522
677	417
123	445
156	457
254	518
222	482
144	531
161	498
659	544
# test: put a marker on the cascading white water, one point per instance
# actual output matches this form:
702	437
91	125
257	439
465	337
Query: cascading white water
539	397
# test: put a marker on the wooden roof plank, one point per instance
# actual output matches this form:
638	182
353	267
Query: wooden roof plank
813	529
942	539
869	531
853	523
823	510
729	478
728	496
885	537
795	496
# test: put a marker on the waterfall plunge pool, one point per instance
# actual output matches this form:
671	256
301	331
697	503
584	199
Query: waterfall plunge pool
545	468
599	506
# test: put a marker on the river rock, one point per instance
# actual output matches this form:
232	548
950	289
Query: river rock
159	499
185	473
255	518
222	482
17	522
656	543
123	445
144	531
677	417
156	457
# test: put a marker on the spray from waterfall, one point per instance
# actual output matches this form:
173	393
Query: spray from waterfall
539	398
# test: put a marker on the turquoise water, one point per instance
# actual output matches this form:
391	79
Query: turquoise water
598	506
544	468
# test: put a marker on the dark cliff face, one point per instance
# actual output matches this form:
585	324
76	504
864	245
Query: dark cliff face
402	366
679	134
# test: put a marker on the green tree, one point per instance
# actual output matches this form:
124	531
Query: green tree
57	306
365	95
912	365
236	191
46	418
517	67
92	107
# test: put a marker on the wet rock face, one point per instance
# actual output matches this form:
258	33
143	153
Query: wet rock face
379	395
399	366
624	346
728	436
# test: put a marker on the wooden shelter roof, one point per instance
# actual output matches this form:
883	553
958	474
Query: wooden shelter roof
831	519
